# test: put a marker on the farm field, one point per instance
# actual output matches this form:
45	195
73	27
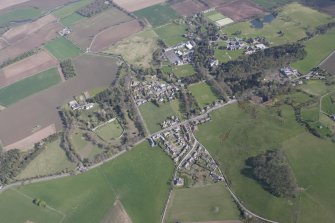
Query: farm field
143	43
84	31
270	4
154	115
110	131
72	19
328	65
20	14
183	70
28	86
188	7
318	49
51	160
214	16
62	48
216	3
240	10
157	15
292	20
134	5
238	132
206	203
203	94
84	148
8	3
44	5
172	33
27	67
114	34
317	87
70	9
90	196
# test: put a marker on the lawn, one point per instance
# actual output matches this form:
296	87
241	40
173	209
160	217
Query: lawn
29	86
20	14
154	115
172	33
157	15
51	160
62	48
318	49
84	148
72	19
206	203
203	94
227	55
110	131
237	132
183	70
293	20
138	179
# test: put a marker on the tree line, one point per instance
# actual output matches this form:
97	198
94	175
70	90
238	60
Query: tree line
67	69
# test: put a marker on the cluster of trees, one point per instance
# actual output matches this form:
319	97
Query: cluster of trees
39	202
188	104
10	165
94	8
272	171
68	69
18	58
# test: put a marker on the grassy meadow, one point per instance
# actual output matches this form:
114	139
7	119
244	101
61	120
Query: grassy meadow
203	94
62	48
84	148
183	70
28	86
172	33
138	178
110	131
206	203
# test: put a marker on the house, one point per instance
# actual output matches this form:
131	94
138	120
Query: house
260	46
179	182
64	32
152	142
74	105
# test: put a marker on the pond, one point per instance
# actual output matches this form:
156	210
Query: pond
258	23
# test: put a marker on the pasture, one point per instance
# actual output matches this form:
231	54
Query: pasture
62	48
289	25
318	49
172	33
20	14
84	148
328	104
110	131
143	43
205	203
154	115
70	9
203	94
317	87
157	15
51	160
28	86
183	70
90	196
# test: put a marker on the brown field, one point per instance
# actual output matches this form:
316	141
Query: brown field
240	10
27	67
29	142
114	34
36	39
329	64
117	214
8	3
215	3
134	5
85	30
3	44
189	7
20	120
20	32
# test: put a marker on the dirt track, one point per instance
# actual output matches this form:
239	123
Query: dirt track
240	10
134	5
19	120
27	67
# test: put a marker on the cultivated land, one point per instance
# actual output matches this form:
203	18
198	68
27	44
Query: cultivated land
44	5
114	34
28	86
172	33
90	196
203	94
62	48
292	20
110	131
72	19
8	3
154	115
240	10
318	49
27	67
143	43
329	65
206	203
70	9
50	161
117	214
134	5
189	7
157	15
40	109
84	31
20	14
216	3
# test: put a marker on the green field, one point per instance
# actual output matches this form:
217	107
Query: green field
206	203
214	16
62	48
318	49
203	94
72	19
49	161
84	148
317	87
20	14
183	70
138	179
29	86
154	115
157	15
227	55
110	131
293	21
328	104
172	33
70	8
